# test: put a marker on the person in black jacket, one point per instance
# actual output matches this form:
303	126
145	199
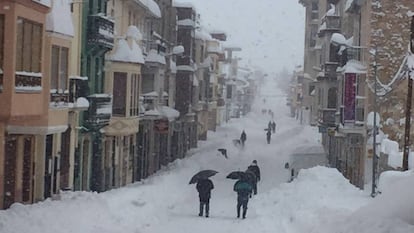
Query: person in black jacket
243	189
256	170
204	187
243	138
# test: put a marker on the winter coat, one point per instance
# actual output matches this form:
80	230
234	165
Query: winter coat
204	188
243	189
243	136
256	170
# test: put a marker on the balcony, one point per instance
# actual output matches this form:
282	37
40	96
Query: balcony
100	31
100	110
327	116
59	96
28	81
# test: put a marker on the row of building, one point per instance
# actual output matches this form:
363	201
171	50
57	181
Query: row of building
355	64
98	94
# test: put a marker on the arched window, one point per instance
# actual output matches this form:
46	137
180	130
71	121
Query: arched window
332	97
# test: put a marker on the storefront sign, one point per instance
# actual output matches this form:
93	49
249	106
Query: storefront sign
349	97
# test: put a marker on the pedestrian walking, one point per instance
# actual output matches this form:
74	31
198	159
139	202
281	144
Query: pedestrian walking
204	187
243	138
269	126
268	136
256	170
274	127
243	189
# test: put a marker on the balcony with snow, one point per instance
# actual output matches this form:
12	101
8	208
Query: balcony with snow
100	31
100	110
28	82
78	90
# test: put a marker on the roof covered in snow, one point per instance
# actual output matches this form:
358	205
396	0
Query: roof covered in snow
59	19
154	57
152	6
127	51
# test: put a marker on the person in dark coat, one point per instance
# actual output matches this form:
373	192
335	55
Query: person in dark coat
268	136
243	138
256	171
204	187
269	126
243	189
274	127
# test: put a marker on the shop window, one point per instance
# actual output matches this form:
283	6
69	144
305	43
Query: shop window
28	55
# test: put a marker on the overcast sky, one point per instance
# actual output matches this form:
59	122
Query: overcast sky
270	32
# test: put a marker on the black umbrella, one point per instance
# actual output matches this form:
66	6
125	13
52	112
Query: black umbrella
204	174
236	175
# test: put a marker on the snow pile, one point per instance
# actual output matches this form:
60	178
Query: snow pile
353	67
169	112
318	194
127	50
82	102
391	211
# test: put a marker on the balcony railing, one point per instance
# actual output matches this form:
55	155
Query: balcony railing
100	31
28	82
327	116
59	96
100	110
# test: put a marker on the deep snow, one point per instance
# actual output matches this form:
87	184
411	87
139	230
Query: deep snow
319	200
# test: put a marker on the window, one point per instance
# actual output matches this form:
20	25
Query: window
332	97
119	93
28	55
59	69
134	110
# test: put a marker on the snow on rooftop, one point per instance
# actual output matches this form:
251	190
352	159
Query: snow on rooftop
202	35
186	22
126	53
169	112
183	4
185	68
155	57
134	33
84	78
44	2
338	39
59	19
331	11
152	6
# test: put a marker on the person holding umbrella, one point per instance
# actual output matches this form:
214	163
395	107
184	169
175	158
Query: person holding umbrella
243	189
204	187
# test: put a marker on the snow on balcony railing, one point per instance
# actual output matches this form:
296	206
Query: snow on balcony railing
28	81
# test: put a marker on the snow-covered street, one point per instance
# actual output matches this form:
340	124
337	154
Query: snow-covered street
317	200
